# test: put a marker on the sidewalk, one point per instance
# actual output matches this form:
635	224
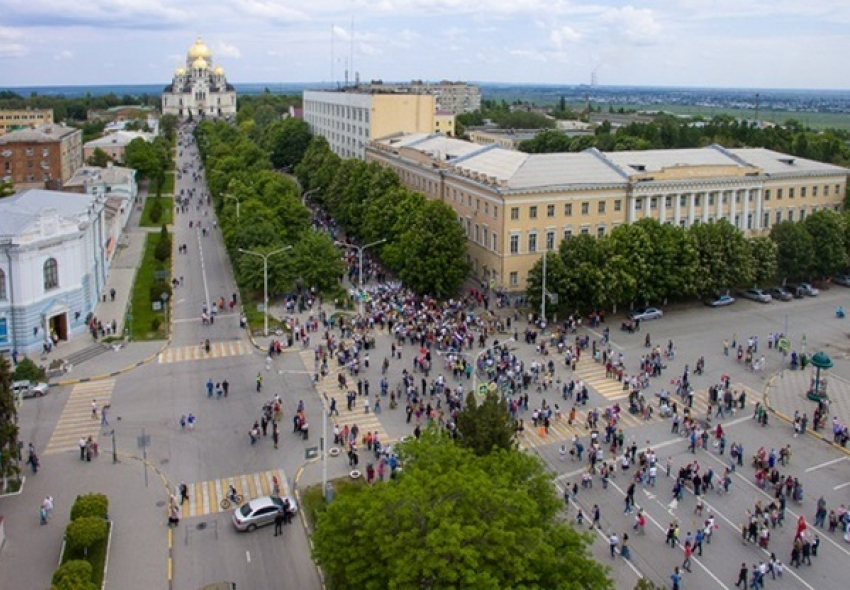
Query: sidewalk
786	393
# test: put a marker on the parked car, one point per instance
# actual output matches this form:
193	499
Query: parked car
30	388
843	280
646	313
260	512
759	295
780	294
802	289
720	301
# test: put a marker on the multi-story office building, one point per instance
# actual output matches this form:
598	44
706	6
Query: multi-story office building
13	119
452	97
514	206
42	157
349	118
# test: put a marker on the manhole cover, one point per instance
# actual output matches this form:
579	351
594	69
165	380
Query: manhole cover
160	504
201	526
164	461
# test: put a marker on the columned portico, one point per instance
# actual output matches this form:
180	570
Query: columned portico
758	196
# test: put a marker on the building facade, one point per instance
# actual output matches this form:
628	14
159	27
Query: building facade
14	119
515	206
45	156
114	144
199	91
452	97
350	119
52	267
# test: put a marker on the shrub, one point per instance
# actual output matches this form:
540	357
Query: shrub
158	288
94	505
156	210
27	370
84	532
156	323
74	573
162	252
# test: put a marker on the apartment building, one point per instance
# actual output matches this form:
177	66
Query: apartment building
452	97
45	156
13	119
514	206
349	118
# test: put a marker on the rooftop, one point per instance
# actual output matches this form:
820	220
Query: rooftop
47	133
22	209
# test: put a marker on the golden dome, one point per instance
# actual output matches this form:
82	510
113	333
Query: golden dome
200	64
180	72
199	50
219	71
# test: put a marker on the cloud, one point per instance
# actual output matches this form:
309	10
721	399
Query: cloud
270	10
228	50
636	25
564	35
121	14
8	50
64	55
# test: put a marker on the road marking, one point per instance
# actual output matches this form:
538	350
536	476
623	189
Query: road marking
248	556
205	497
841	486
203	269
825	464
196	352
76	421
599	335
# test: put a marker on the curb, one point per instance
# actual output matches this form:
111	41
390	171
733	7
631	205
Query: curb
297	492
790	420
144	361
20	489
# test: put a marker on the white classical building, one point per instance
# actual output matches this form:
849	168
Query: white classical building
199	90
52	266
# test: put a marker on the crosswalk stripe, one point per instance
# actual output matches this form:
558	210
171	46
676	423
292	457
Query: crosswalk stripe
205	497
76	422
179	354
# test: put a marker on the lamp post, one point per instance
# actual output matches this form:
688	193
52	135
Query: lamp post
308	193
359	267
238	202
265	258
164	298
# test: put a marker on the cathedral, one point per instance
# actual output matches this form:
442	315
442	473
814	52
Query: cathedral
199	91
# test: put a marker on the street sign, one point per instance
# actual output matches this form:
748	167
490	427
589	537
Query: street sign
261	307
157	305
160	275
311	453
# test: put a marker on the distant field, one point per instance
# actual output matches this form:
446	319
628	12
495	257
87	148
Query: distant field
813	120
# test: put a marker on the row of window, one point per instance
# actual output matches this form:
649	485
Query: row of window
791	190
51	278
45	152
337	111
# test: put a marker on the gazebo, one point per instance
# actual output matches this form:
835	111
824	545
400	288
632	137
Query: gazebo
817	390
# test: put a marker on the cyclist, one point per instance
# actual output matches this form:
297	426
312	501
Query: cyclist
232	494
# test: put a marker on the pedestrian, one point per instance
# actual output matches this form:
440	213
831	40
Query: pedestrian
82	444
225	386
173	516
259	381
613	541
676	579
103	420
742	576
275	434
596	516
184	492
624	547
279	519
94	409
689	551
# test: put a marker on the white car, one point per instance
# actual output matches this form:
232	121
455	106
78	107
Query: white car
30	388
261	511
646	313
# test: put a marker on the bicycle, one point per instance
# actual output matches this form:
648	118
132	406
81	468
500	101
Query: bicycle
235	499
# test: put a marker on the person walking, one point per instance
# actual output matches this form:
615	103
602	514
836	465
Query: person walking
259	382
742	576
184	492
279	519
597	515
676	579
613	541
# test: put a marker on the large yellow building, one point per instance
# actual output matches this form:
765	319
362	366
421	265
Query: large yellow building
514	206
349	119
12	119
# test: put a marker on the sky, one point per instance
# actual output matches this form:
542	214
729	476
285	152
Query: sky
800	44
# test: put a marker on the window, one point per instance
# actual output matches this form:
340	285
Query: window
803	192
653	203
767	195
514	244
514	213
779	194
514	279
697	200
550	240
600	231
585	208
711	199
790	215
568	233
29	151
585	230
486	208
51	274
802	213
779	217
45	152
532	242
532	212
618	204
682	201
600	206
2	285
766	219
495	245
568	209
790	193
814	191
668	202
550	210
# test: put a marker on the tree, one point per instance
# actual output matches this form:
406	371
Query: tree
96	505
8	426
431	253
162	251
764	252
27	370
168	127
455	520
794	249
99	158
287	142
75	574
7	189
724	257
85	532
317	261
827	230
556	284
486	427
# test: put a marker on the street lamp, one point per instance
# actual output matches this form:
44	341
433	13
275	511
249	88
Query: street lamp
265	258
359	267
237	204
308	193
164	298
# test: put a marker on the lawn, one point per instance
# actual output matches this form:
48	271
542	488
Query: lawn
167	211
144	317
96	556
168	183
255	318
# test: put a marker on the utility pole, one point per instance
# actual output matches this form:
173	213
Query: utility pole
543	297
